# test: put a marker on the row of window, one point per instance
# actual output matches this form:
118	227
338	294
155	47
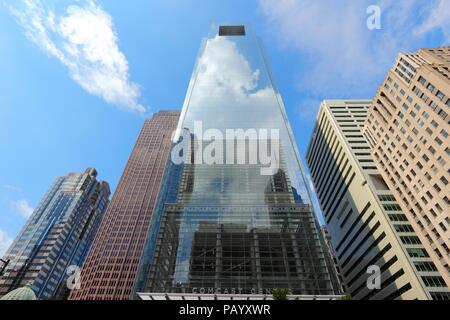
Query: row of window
443	114
386	197
433	89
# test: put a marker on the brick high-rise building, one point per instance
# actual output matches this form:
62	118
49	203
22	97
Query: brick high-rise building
408	128
110	269
58	235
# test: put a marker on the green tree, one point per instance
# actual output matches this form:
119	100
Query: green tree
280	294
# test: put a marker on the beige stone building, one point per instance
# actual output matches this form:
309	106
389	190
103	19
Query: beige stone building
367	227
408	127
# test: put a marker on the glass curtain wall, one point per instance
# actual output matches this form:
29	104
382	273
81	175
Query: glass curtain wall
235	215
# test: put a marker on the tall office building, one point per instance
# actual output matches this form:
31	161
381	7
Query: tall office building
234	215
57	235
408	128
367	226
111	265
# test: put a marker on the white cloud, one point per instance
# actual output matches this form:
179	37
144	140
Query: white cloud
439	19
223	67
5	242
84	40
23	208
226	80
342	57
15	198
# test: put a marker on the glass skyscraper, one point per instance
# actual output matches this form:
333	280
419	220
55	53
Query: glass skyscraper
234	214
58	235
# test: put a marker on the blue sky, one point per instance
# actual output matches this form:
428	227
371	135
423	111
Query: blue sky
78	77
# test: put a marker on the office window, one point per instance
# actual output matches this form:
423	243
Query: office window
440	295
404	228
392	207
434	281
425	266
397	217
421	80
386	197
437	188
410	240
417	253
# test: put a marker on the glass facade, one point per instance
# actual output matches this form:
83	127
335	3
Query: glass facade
57	236
235	215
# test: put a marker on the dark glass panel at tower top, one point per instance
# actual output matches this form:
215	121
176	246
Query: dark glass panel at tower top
224	222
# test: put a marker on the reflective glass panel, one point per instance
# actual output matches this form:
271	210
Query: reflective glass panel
234	213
